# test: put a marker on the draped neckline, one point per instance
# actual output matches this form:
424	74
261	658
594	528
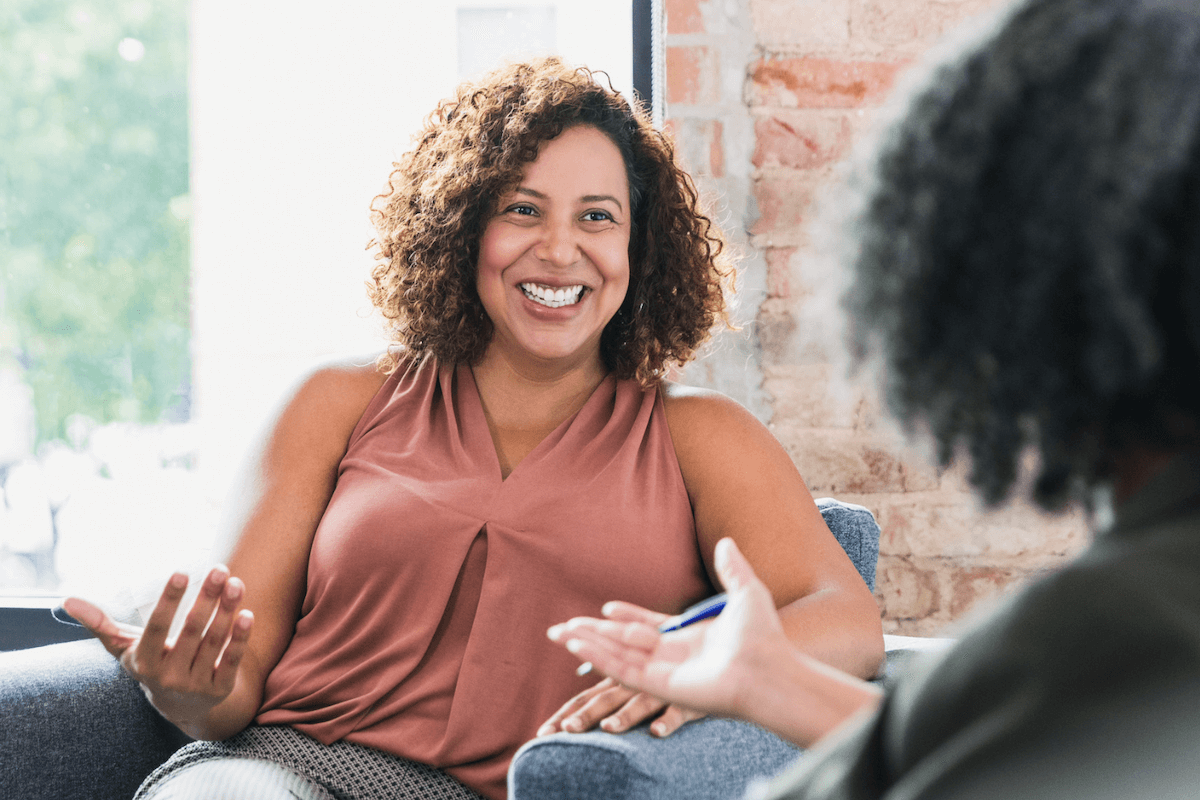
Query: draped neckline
470	405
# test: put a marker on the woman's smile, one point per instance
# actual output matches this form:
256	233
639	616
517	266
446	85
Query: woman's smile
552	297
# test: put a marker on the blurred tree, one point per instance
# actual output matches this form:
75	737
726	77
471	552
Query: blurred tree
94	212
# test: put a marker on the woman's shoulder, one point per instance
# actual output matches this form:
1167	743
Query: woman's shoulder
342	383
327	402
707	424
701	410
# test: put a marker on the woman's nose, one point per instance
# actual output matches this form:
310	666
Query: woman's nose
558	245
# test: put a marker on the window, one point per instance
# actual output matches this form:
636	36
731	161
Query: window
94	241
159	298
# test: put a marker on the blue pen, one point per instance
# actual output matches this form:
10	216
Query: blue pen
693	614
705	609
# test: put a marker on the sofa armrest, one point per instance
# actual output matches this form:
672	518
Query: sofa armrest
76	725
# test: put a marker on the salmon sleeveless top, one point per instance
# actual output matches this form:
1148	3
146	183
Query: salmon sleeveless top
432	581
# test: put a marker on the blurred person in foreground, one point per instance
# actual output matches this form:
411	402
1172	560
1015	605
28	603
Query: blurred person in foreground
1027	274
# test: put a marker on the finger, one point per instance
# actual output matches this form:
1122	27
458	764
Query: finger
217	635
114	637
225	674
633	712
672	719
732	567
154	638
637	635
192	633
623	663
620	611
602	705
739	577
553	724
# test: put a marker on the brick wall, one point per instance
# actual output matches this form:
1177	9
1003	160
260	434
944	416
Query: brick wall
766	97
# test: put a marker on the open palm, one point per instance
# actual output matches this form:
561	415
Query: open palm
703	666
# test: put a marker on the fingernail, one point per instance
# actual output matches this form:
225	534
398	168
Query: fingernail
608	608
658	729
554	632
179	580
611	725
574	645
545	730
572	725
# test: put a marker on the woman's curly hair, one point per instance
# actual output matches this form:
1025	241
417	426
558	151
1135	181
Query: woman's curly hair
471	152
1028	245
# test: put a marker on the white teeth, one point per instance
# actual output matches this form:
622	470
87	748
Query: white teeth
554	298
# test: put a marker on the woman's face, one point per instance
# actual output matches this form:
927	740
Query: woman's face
554	260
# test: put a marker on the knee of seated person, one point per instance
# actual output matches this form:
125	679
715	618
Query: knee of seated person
575	766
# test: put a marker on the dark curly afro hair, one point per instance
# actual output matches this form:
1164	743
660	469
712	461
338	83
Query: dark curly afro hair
472	150
1028	248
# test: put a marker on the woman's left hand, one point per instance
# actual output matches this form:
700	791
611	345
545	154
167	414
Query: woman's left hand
615	708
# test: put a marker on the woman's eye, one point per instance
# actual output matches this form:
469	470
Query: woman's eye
597	216
523	210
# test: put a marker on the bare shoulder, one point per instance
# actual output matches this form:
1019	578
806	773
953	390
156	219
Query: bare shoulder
343	386
708	420
322	409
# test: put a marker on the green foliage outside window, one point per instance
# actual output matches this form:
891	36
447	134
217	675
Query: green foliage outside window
94	210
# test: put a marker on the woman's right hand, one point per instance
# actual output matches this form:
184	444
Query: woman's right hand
187	677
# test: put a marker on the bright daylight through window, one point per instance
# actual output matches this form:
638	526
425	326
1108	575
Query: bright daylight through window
183	213
94	217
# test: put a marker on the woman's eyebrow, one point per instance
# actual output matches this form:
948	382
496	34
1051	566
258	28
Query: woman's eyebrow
597	198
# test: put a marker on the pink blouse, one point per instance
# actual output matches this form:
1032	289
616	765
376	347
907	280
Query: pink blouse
432	581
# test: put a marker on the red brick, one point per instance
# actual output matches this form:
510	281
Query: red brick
821	82
814	27
974	585
906	591
699	145
716	150
811	395
898	23
908	26
779	271
670	127
775	327
800	140
691	75
683	16
783	201
839	462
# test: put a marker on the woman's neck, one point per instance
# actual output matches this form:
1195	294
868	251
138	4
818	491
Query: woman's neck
523	404
532	382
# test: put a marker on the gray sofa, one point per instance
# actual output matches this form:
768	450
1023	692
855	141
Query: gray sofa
74	725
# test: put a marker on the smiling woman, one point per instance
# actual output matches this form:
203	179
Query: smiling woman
412	527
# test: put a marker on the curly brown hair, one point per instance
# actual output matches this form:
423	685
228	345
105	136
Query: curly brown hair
473	150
